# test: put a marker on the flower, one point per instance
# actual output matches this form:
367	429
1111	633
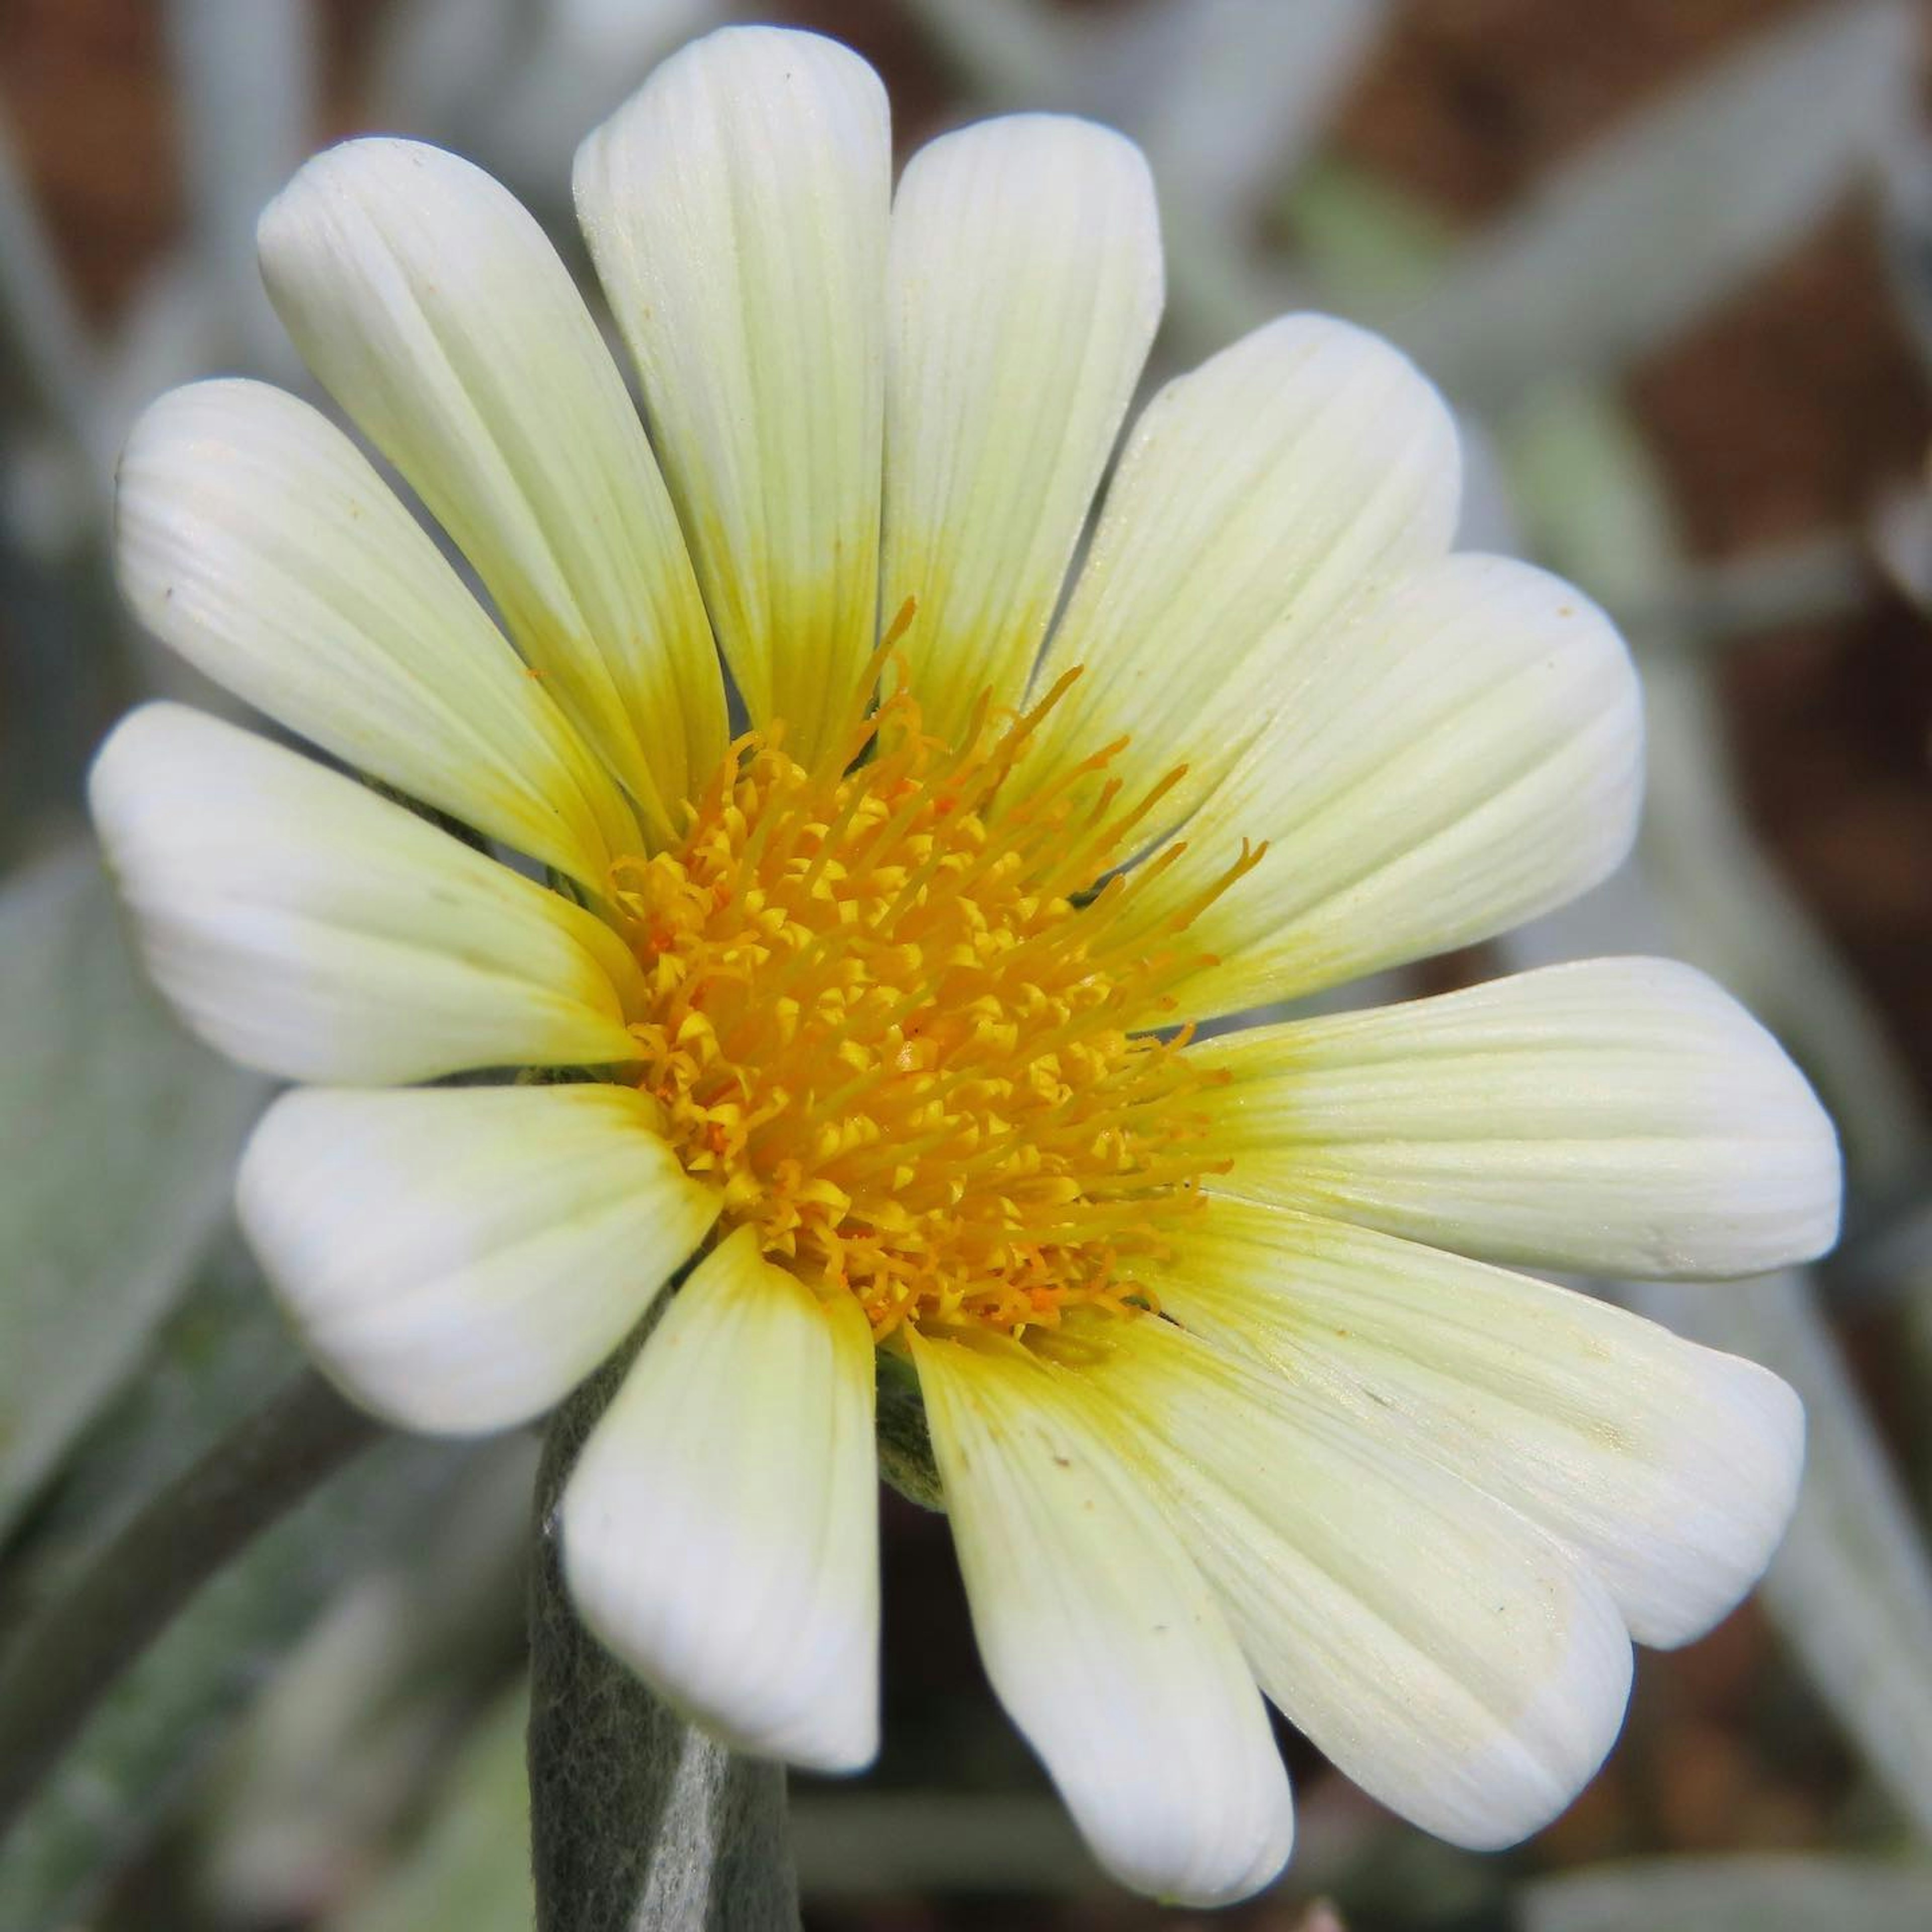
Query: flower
877	1017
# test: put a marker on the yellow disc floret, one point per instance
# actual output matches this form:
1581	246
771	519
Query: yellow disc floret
894	1014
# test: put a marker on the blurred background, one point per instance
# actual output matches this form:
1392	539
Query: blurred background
1671	260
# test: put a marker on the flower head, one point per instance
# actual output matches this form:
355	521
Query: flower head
872	1024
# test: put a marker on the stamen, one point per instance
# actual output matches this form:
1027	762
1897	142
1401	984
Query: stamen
882	1021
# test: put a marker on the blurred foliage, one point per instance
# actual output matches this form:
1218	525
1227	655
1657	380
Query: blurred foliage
1747	1894
120	1174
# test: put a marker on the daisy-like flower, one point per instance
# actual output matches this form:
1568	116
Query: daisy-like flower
872	1024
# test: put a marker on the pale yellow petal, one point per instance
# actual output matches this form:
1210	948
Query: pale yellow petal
254	539
438	313
1615	1116
1261	502
721	1529
1025	285
1100	1635
1670	1468
736	208
1458	1663
303	925
458	1259
1463	757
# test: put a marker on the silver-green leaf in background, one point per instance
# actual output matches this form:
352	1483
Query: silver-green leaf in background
515	87
138	1756
1226	96
1635	239
1850	1590
468	1870
246	71
121	1136
221	1350
337	1754
1740	1894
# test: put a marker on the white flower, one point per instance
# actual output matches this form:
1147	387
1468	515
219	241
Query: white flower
873	1008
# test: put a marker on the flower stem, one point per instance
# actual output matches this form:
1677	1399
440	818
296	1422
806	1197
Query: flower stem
638	1822
71	1655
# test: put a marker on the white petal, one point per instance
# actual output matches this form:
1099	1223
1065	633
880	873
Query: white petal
1466	756
1672	1469
254	539
1615	1116
1025	277
1457	1662
439	317
1100	1635
458	1260
721	1530
736	208
303	925
1261	502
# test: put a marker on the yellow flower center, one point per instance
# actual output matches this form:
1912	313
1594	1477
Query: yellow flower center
900	1011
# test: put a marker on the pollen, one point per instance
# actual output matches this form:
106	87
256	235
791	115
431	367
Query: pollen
899	1015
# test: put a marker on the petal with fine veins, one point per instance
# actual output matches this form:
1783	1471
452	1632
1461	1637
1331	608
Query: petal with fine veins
303	925
1458	1663
1025	284
438	315
1466	755
254	539
721	1528
1671	1468
1615	1117
736	208
459	1259
1100	1635
1261	502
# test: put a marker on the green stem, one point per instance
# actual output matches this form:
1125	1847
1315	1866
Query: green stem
638	1822
73	1654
